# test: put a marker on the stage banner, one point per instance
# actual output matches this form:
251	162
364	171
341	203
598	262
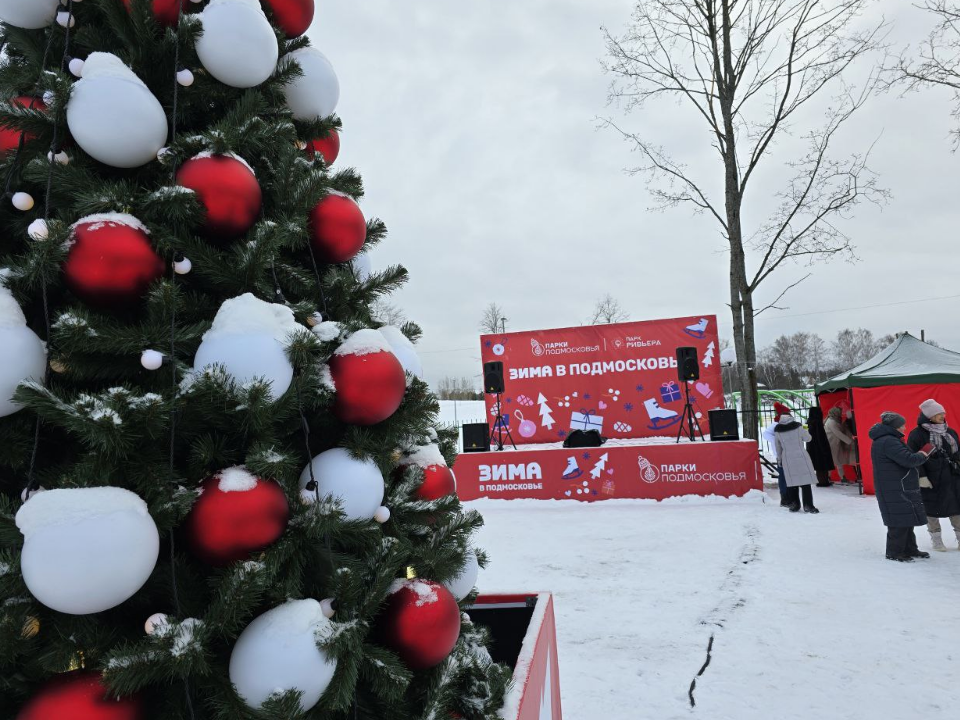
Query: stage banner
651	472
618	379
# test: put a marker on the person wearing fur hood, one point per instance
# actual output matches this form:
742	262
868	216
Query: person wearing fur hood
791	438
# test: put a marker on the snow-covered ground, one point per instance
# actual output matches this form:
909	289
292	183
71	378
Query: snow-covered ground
808	618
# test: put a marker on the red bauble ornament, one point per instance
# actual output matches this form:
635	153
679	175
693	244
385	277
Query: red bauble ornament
328	147
337	229
10	138
370	387
292	16
438	482
111	263
236	515
79	695
229	191
165	11
420	622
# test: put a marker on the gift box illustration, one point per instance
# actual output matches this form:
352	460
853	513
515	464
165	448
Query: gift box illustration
586	420
670	391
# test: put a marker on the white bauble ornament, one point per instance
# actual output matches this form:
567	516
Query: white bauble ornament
238	47
404	350
182	267
362	267
22	201
357	484
466	581
29	14
382	514
22	354
151	359
113	116
248	338
76	67
185	77
278	652
315	94
155	622
38	230
86	550
328	607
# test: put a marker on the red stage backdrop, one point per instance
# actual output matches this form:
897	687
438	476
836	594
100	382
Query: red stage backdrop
634	471
619	379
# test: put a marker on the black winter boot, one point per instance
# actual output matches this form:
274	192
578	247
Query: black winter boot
900	558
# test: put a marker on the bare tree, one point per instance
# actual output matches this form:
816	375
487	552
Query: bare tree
493	320
387	313
853	347
751	71
607	311
457	388
937	63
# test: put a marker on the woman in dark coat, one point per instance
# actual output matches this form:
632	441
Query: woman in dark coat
940	475
897	485
819	447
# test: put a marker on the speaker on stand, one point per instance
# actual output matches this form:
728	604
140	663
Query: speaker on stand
688	371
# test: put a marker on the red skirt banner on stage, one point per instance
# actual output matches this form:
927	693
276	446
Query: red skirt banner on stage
620	379
627	471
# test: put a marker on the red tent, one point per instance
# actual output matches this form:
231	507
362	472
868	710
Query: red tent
898	378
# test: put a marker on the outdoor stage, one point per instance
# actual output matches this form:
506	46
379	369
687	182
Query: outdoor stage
638	470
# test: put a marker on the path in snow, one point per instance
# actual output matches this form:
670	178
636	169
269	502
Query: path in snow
809	619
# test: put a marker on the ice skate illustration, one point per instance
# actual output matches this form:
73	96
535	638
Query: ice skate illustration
660	418
698	331
573	470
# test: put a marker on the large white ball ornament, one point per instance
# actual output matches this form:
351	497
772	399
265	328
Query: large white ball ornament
466	581
86	550
278	652
357	484
238	47
362	266
29	14
404	350
316	92
248	339
22	354
113	116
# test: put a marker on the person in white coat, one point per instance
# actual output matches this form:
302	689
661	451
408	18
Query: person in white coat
791	438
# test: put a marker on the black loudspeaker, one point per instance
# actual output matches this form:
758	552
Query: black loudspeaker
723	425
493	378
476	437
688	366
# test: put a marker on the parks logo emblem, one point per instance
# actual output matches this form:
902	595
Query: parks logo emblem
648	473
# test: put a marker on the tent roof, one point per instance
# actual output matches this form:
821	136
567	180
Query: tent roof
907	361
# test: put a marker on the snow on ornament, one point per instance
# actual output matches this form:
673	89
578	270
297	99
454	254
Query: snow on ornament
278	652
227	188
356	484
438	479
113	116
292	16
369	380
80	695
236	515
464	583
29	14
86	550
404	350
238	46
420	621
248	338
111	263
22	354
337	229
315	94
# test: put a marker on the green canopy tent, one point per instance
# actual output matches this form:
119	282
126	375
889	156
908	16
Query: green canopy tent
898	378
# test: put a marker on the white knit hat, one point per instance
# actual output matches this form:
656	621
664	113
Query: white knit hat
931	408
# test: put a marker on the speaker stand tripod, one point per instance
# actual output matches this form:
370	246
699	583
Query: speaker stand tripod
688	421
496	434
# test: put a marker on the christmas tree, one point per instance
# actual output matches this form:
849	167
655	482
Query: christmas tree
222	492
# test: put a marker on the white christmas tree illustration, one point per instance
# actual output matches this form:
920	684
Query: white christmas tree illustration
708	355
546	420
600	466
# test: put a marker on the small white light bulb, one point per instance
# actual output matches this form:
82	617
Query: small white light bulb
76	66
382	514
185	77
22	201
163	153
155	622
65	18
38	230
151	359
48	97
182	267
60	158
24	495
327	608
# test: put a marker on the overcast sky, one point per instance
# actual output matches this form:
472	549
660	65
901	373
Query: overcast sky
474	125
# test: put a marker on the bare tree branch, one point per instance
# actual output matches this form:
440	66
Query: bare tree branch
608	310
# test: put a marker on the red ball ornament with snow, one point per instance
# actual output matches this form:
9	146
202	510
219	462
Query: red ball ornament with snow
228	190
369	379
292	16
10	138
111	263
237	514
337	229
420	622
327	146
166	12
438	479
79	695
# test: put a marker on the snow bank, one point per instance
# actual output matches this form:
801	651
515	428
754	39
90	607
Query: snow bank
425	456
364	342
60	507
247	315
328	331
236	479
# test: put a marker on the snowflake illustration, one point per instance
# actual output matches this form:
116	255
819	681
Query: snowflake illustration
509	400
640	388
586	396
628	407
586	456
488	343
562	433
